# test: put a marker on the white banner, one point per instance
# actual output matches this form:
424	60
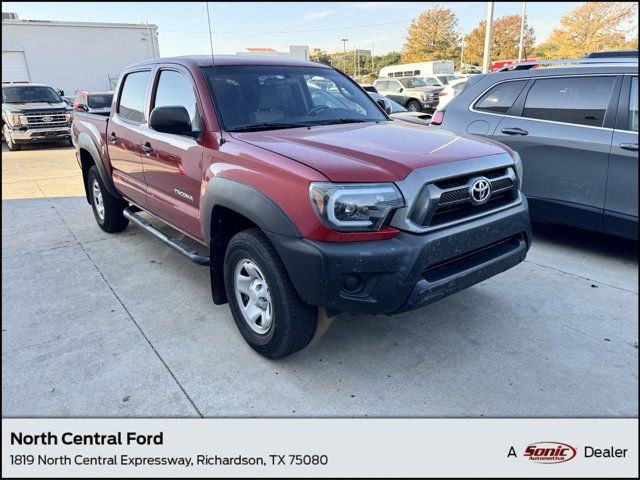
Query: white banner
320	447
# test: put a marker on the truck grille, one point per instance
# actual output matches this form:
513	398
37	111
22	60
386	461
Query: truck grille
450	200
46	119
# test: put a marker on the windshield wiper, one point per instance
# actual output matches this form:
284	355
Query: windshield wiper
337	121
266	126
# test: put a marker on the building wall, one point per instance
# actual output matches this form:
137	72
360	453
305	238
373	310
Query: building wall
78	56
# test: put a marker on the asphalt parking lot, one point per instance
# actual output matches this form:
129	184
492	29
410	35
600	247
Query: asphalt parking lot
120	325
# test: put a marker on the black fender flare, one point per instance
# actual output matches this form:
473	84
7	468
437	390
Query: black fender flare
248	202
85	142
244	200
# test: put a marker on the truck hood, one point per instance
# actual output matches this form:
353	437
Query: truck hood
370	152
34	107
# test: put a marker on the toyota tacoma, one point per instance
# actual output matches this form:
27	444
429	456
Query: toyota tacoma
299	201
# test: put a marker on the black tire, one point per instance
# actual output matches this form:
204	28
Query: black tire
413	106
112	220
11	145
294	322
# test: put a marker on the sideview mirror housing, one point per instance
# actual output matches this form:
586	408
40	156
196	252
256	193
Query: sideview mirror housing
171	119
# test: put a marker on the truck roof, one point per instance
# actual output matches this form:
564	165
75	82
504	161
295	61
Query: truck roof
207	61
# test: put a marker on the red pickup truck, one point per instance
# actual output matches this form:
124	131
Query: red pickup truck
299	201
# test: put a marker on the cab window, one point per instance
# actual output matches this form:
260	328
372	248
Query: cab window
133	95
174	89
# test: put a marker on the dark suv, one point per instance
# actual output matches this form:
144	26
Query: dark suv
575	127
411	92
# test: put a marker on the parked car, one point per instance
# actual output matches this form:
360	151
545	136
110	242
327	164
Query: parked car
442	80
450	91
576	129
398	112
301	204
410	92
33	113
93	102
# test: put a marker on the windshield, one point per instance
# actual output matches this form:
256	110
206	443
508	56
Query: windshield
100	101
30	94
413	82
257	97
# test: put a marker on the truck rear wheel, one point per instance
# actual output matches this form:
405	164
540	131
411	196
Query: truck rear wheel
107	209
267	310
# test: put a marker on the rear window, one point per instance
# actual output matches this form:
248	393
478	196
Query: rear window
577	100
134	91
500	98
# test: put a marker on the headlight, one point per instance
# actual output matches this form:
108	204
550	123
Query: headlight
69	117
14	119
349	207
519	170
424	96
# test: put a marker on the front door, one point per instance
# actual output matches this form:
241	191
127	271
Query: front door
564	147
123	138
621	205
172	162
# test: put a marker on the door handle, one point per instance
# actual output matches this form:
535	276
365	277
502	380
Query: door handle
112	137
514	131
147	148
629	146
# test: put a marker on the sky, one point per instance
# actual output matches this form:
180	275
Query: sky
183	30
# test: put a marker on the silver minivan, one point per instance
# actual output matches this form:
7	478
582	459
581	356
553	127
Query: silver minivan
576	130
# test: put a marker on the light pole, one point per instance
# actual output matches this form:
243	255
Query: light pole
344	51
524	8
487	39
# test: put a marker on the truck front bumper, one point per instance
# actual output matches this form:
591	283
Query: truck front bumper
408	271
40	134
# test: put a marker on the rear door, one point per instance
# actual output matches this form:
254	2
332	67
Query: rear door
621	204
563	137
123	137
173	163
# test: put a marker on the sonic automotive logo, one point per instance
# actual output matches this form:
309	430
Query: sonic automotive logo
549	452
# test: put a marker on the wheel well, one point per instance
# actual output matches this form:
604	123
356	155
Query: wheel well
225	223
86	161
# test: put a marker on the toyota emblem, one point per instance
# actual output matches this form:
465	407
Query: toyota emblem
480	190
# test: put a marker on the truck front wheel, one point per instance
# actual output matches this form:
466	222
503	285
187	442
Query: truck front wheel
107	209
11	145
267	310
413	106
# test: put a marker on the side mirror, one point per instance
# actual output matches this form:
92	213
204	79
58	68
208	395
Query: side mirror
382	103
400	90
171	119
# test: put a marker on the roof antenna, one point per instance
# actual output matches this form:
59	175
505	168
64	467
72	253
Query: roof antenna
213	62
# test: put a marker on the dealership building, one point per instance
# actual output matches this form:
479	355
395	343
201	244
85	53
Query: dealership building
73	56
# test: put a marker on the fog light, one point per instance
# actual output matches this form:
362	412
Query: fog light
352	283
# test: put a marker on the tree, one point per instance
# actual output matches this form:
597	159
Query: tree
431	36
505	40
591	27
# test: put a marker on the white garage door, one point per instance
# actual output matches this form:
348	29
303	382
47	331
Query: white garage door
14	67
